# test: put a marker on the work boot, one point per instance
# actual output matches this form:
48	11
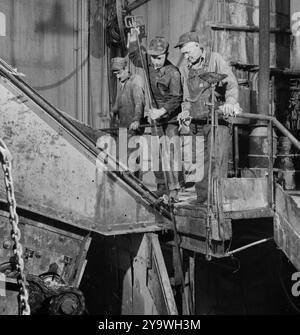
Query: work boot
161	190
174	195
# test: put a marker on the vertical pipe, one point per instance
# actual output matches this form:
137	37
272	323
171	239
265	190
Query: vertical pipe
264	57
257	157
271	163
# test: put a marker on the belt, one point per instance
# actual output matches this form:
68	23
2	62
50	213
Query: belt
221	122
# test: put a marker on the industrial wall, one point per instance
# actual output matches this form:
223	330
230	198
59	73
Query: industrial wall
171	18
60	45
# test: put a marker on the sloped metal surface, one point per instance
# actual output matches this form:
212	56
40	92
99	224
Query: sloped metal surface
287	226
57	174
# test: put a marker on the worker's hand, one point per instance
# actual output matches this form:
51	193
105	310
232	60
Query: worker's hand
184	119
183	115
228	110
155	113
231	110
134	125
133	35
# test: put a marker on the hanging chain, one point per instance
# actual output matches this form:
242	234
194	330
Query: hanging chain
6	159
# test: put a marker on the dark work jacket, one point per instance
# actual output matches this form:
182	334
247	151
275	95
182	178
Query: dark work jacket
165	83
130	101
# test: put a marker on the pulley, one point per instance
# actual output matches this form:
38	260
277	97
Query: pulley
120	22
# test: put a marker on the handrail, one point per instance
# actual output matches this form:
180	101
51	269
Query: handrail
272	119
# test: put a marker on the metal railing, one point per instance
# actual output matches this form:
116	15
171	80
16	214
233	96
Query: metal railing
270	122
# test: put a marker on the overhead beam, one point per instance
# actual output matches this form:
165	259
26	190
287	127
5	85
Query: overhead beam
247	29
135	4
264	57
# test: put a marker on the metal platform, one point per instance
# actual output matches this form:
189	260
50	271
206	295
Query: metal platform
242	198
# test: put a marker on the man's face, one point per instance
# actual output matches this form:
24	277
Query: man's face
122	74
158	61
192	52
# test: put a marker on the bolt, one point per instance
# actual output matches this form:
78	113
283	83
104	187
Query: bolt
61	239
38	254
7	244
68	306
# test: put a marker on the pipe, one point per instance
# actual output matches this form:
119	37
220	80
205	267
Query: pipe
264	57
276	123
230	253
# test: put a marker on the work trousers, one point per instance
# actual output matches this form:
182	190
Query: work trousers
200	135
169	157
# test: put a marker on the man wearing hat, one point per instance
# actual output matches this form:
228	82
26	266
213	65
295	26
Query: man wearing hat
130	100
129	104
197	94
166	98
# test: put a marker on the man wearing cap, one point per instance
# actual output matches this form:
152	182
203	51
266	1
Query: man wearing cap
196	95
166	98
129	104
130	100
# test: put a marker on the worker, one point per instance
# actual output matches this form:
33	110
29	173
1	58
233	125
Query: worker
130	99
165	102
128	107
197	95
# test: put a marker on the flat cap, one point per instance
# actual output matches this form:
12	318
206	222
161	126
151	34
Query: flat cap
158	46
191	36
118	63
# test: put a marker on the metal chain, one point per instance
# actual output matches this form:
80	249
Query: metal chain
6	159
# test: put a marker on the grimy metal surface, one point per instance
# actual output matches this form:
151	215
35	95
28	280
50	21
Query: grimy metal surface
287	226
56	176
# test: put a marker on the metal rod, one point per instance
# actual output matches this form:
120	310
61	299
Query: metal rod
230	253
236	150
264	57
209	190
270	167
